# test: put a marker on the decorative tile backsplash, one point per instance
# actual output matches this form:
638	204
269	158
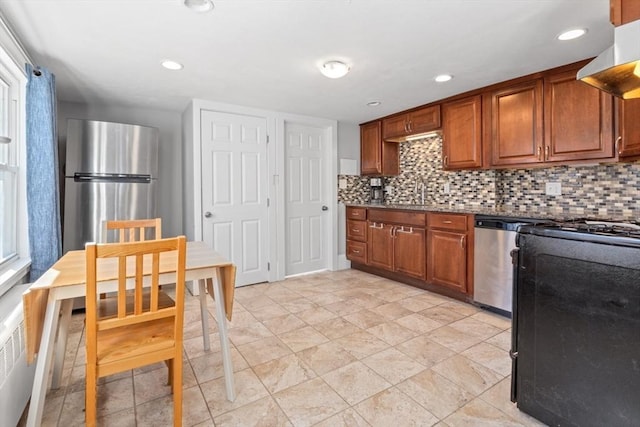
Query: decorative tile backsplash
604	191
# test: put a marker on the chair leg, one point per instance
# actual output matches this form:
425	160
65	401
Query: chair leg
169	364
177	390
90	396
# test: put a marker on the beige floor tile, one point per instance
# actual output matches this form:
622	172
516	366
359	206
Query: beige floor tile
302	338
392	333
268	312
361	344
365	319
249	388
392	310
52	408
151	385
326	357
442	315
126	418
316	315
356	382
263	350
324	299
346	418
499	396
115	396
368	301
72	413
282	324
256	302
424	351
336	328
261	413
344	308
209	366
159	412
282	373
394	408
454	339
393	365
241	319
436	393
461	307
468	374
415	304
310	402
490	356
493	319
478	413
194	347
247	334
194	329
297	305
418	323
502	340
476	328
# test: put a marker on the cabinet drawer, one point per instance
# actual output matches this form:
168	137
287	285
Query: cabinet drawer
416	219
357	251
446	221
356	213
356	230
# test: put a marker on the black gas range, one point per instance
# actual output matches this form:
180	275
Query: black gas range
576	323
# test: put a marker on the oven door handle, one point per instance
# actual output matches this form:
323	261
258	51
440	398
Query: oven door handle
513	352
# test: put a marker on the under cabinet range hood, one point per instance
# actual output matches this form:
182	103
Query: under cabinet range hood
617	69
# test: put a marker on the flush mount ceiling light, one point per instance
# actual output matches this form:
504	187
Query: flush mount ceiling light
172	65
443	78
199	6
572	34
334	69
374	103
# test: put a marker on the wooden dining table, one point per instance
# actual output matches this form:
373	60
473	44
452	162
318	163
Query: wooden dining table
49	301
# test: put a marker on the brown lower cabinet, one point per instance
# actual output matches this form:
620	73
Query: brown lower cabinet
427	250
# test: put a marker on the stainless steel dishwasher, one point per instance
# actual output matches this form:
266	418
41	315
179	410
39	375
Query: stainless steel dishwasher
495	238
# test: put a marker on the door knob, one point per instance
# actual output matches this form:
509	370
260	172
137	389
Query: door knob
208	215
325	208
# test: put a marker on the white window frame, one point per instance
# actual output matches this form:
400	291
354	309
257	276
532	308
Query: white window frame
12	60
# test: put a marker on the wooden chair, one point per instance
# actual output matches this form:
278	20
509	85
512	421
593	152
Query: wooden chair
134	230
141	332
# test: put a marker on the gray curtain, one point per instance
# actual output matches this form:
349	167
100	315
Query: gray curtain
43	196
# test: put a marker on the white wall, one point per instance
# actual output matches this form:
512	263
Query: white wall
169	157
349	142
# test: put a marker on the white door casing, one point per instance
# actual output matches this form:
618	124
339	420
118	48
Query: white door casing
306	229
234	169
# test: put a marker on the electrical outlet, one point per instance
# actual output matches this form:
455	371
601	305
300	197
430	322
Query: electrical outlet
342	183
446	188
389	189
553	189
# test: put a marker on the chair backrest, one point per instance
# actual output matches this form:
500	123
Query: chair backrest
134	230
137	264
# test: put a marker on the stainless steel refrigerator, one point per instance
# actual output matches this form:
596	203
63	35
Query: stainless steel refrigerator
110	173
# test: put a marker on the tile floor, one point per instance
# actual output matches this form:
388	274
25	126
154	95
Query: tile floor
330	349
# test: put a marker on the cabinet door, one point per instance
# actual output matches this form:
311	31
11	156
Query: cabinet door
629	132
462	133
515	124
624	11
395	127
424	119
408	253
380	245
371	148
578	120
447	259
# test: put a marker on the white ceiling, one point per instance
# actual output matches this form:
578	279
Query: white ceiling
265	53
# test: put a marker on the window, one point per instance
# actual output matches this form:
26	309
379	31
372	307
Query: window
14	247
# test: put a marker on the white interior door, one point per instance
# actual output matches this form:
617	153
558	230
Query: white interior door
306	221
234	191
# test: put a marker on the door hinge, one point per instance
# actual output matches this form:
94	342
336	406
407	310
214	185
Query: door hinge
268	202
267	139
268	266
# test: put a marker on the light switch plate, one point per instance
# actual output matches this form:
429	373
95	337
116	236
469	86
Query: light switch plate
553	189
446	188
342	184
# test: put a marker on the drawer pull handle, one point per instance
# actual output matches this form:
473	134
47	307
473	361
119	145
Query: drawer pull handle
356	252
447	222
402	230
355	213
355	230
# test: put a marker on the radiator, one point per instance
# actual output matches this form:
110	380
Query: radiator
16	378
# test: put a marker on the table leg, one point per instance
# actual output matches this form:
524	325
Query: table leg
204	314
224	337
43	362
61	343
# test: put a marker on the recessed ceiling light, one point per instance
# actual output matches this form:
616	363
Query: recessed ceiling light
443	78
171	65
572	34
374	103
334	69
199	6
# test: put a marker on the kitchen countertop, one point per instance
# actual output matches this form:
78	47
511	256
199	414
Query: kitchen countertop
558	214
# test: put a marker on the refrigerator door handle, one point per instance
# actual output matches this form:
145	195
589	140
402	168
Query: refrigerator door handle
111	177
513	352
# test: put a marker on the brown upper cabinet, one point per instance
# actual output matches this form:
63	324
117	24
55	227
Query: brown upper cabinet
513	124
423	120
555	118
377	157
462	133
628	141
624	11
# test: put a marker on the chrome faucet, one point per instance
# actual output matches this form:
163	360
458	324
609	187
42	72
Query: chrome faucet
419	183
